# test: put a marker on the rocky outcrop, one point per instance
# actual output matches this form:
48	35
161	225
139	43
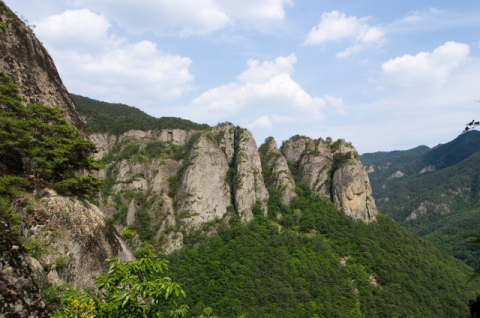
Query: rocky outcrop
421	210
204	192
427	206
427	169
225	137
23	57
248	184
20	295
315	165
397	174
351	190
293	148
80	237
132	209
276	165
370	169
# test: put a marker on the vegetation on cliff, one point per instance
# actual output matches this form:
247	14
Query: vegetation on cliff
115	119
36	140
321	263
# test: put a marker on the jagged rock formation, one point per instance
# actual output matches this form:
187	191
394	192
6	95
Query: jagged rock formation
204	192
20	296
315	165
333	170
248	186
276	165
79	236
24	58
293	148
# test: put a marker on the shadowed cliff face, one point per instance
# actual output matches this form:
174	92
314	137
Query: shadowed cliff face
19	291
24	58
276	163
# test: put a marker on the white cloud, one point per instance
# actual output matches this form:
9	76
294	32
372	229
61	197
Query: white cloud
433	19
262	122
336	25
259	73
114	69
426	68
70	29
265	86
186	17
337	103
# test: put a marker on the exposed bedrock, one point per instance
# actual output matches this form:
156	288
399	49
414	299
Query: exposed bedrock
248	184
277	167
204	192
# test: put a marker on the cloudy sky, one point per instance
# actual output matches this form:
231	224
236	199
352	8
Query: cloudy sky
384	75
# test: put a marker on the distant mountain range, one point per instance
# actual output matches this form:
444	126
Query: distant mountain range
434	192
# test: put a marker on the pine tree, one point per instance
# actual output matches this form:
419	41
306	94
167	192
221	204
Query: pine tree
35	138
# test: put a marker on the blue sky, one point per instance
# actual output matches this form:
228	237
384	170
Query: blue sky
384	75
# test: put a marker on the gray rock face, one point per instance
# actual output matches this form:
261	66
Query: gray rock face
204	192
351	190
397	174
104	144
277	164
427	169
225	136
132	209
248	186
315	167
80	234
294	149
20	295
24	58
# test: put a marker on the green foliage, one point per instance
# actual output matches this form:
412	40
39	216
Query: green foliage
127	234
368	158
38	245
128	289
155	149
454	183
339	159
38	134
4	27
115	119
121	216
258	271
7	213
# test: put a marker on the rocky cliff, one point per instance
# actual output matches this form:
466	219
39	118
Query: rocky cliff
23	57
20	294
76	236
333	169
185	181
275	165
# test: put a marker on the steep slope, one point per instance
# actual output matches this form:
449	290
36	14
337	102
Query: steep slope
320	263
436	194
24	58
20	293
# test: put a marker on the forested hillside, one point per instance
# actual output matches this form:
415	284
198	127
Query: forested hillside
368	158
115	119
319	263
435	194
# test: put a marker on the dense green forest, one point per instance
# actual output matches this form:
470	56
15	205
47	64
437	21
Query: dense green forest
450	194
368	158
260	270
115	119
